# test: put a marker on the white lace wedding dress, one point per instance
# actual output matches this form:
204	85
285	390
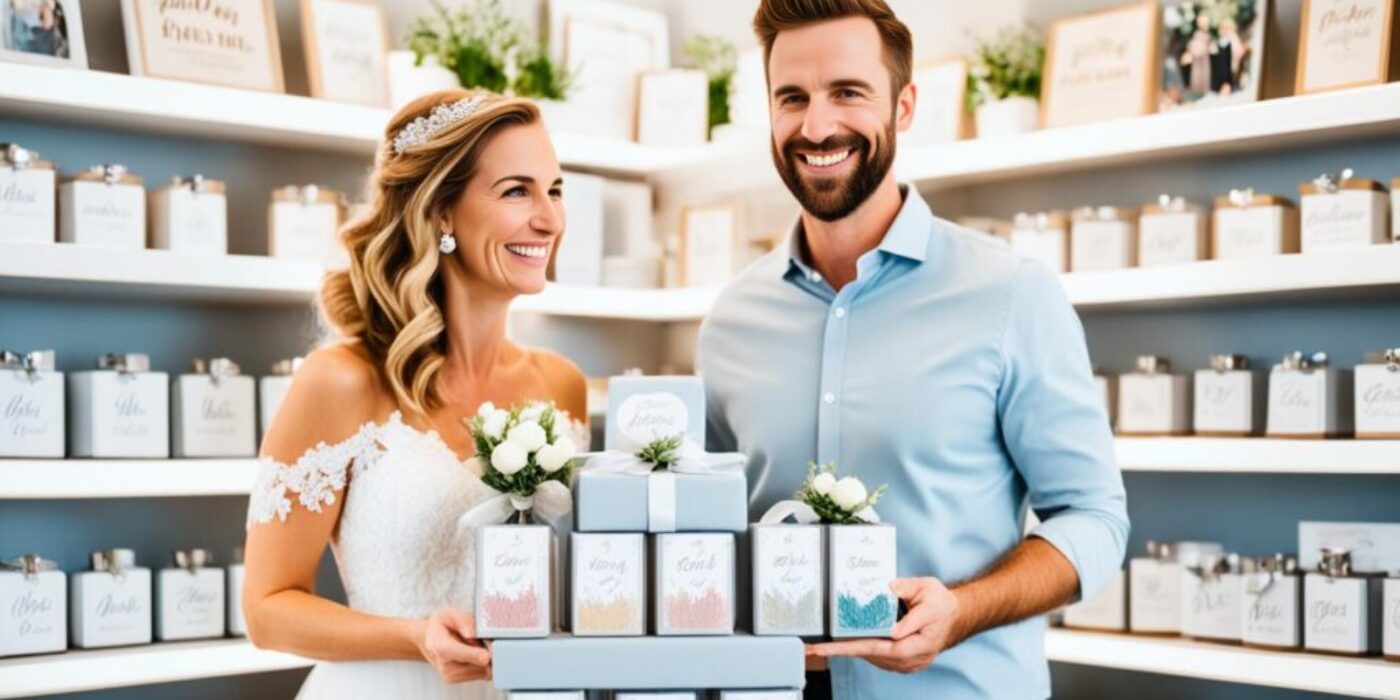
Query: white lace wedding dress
397	547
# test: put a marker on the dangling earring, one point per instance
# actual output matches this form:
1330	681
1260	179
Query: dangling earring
447	243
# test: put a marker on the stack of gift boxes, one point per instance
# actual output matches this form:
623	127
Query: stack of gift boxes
1334	597
668	554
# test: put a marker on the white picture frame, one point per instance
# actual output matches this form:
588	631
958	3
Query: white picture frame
605	46
709	243
217	59
52	33
347	48
673	108
1120	43
1231	49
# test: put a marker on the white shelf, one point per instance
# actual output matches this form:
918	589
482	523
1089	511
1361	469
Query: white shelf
73	270
79	671
1375	270
1258	455
680	304
1362	678
125	478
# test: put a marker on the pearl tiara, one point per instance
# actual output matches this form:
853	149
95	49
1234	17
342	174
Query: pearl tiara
420	130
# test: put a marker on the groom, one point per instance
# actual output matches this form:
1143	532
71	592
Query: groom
919	354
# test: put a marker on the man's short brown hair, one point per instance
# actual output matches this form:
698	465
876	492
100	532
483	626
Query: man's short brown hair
774	16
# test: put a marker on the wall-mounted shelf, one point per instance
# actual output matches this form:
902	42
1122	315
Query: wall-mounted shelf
679	304
1355	677
125	478
1258	455
79	671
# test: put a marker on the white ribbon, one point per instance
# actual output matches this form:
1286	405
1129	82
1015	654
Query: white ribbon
661	484
550	502
804	515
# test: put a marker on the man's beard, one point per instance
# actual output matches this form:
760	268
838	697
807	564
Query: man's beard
834	198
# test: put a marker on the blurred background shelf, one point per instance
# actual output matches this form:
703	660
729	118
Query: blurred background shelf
1258	455
677	304
125	478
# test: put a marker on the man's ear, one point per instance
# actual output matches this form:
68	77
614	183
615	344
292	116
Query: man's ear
904	107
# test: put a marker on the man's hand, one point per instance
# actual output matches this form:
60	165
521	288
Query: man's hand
932	624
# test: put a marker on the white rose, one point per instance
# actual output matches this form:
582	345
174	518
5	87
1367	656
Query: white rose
509	458
532	412
528	435
551	458
566	446
849	493
486	409
823	483
495	424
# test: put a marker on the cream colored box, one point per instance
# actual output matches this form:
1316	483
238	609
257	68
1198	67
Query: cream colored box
34	600
1342	213
1309	399
1153	402
213	411
1105	610
1172	231
1226	397
190	216
122	409
32	410
1273	604
1341	613
104	206
1043	236
1250	225
1212	597
1103	238
304	222
111	604
190	598
28	188
1378	396
1154	584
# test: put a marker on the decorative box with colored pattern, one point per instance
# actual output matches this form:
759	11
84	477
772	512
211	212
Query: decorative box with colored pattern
513	591
862	562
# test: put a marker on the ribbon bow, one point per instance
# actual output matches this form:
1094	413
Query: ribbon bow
803	514
1242	197
1329	183
551	503
660	461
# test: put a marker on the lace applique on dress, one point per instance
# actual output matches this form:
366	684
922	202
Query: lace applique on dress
315	477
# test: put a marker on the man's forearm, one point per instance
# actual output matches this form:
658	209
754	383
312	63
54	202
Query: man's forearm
1033	579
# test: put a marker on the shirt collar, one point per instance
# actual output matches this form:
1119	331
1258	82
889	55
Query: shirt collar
907	236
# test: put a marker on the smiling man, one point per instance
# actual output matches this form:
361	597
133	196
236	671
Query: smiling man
919	354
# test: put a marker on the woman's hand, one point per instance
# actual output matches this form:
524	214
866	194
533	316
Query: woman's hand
448	641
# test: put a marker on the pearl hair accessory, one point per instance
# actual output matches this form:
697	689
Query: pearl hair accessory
420	130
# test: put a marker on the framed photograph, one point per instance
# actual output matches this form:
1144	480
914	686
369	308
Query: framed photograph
1101	65
673	108
232	43
42	32
347	48
606	46
709	243
940	113
1345	43
1212	52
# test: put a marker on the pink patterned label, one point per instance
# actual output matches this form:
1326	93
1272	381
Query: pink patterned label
520	611
709	611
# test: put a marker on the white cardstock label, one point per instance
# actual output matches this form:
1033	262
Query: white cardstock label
1298	402
697	582
33	613
1168	239
27	205
31	414
1377	401
1248	232
643	418
1271	604
1224	401
788	570
1102	245
1342	221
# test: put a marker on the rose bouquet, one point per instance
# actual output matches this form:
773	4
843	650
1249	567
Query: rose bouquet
843	501
525	455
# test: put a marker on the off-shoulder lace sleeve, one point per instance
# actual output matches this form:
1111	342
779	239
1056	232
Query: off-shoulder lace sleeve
314	478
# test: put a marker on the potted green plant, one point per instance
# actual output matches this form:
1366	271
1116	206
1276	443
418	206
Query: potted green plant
717	59
1003	82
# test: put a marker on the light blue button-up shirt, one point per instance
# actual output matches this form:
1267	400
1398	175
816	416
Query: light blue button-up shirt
956	372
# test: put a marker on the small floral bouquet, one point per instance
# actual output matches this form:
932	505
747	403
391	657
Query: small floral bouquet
523	451
843	501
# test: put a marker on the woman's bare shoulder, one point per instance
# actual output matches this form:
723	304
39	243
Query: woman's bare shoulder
566	381
335	391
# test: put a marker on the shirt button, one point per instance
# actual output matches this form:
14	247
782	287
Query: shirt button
816	276
829	398
840	312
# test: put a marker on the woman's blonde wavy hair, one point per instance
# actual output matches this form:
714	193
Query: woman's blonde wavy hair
390	297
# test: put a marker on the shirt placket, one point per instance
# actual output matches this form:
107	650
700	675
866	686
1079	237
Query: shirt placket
835	336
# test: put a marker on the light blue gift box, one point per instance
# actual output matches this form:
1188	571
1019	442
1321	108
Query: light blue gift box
658	417
647	663
715	502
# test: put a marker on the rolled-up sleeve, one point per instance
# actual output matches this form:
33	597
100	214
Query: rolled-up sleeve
1057	432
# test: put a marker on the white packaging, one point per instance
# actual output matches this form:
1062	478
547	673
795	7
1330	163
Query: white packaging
1309	399
1107	387
31	405
544	694
190	598
609	583
1224	398
760	695
273	389
1153	402
1390	617
672	108
579	259
105	206
513	590
119	410
1377	394
190	216
1154	584
1343	213
1107	609
28	187
1212	596
111	605
1372	547
303	223
1273	604
1395	210
1341	610
1250	225
627	221
1103	239
632	273
1172	232
213	411
655	695
862	560
695	583
1044	237
788	576
237	625
33	607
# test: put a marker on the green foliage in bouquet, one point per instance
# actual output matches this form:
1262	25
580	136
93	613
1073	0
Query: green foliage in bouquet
521	448
488	49
661	452
837	502
718	59
1007	65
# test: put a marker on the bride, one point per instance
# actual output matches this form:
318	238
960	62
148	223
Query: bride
368	451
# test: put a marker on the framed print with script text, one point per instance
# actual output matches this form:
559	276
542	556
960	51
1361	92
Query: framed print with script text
1101	65
347	48
231	43
1345	43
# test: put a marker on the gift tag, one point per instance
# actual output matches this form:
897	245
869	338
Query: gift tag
1254	232
642	409
609	584
27	208
694	583
33	612
512	581
1344	220
1377	401
102	214
1170	239
1224	403
1102	245
31	413
1271	611
787	579
862	565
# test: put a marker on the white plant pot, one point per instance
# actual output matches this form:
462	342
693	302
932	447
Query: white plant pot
1013	115
556	114
408	82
